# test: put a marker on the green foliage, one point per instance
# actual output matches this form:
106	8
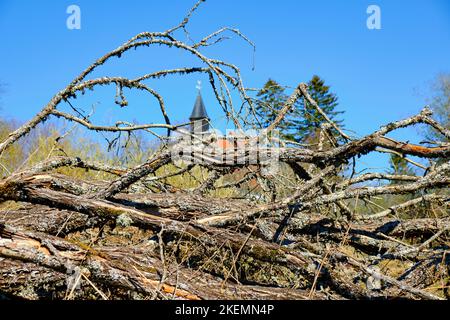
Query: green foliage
303	122
130	150
270	101
48	141
187	180
193	179
52	140
13	155
398	165
307	119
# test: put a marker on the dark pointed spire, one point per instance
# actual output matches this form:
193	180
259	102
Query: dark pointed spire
199	110
199	118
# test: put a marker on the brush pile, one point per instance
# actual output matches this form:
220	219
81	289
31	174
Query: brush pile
313	230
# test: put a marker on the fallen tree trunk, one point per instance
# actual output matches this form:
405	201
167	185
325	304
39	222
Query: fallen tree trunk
315	229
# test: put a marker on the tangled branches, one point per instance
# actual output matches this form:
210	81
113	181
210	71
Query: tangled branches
309	231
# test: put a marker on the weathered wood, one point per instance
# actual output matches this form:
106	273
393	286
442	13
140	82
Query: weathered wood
126	268
133	235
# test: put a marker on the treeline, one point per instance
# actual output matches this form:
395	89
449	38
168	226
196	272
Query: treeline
56	138
59	139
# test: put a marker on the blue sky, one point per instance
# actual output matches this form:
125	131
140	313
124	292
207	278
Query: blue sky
378	75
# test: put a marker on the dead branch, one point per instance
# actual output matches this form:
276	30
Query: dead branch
309	231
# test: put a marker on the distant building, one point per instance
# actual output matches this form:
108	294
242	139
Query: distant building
202	144
200	127
199	117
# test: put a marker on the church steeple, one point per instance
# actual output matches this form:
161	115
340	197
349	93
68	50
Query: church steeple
199	116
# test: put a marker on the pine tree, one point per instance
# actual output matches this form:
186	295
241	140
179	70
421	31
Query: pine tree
308	120
270	101
303	122
398	165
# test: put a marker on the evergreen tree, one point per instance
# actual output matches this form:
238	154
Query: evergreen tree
270	101
398	165
307	120
303	122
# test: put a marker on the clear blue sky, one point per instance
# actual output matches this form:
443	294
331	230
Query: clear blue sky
378	75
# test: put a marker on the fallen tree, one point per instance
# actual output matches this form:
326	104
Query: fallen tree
136	236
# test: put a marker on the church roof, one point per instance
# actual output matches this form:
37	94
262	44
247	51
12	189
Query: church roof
199	110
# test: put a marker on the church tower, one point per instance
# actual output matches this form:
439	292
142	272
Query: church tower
199	117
